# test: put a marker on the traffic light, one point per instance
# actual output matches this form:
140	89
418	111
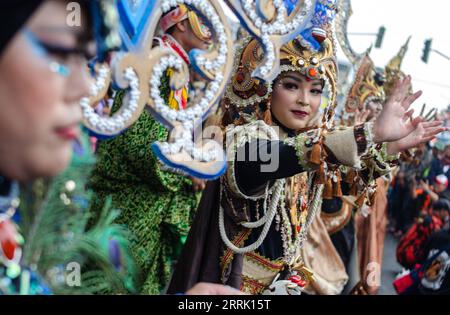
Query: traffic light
380	36
426	50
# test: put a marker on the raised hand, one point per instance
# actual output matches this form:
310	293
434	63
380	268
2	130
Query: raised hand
424	132
361	116
394	121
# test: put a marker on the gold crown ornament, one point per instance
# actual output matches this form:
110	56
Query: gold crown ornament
245	94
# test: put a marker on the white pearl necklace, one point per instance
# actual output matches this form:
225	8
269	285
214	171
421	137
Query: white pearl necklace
118	122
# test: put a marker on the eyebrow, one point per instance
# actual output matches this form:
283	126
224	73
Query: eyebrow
295	78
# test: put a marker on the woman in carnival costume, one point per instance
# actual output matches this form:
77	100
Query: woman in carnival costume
43	76
249	230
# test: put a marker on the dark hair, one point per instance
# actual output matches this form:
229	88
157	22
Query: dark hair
442	204
171	29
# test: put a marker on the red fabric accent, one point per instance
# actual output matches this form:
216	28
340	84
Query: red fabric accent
265	262
403	283
176	47
410	249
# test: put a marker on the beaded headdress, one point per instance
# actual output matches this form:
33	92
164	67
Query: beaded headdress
367	86
247	95
181	13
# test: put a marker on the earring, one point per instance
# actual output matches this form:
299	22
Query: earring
267	117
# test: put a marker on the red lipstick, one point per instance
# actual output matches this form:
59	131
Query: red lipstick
300	113
68	133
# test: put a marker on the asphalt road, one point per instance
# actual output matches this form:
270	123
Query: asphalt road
390	267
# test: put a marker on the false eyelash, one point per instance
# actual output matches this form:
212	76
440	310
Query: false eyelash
66	52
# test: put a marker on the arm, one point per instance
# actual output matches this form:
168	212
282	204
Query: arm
261	161
434	197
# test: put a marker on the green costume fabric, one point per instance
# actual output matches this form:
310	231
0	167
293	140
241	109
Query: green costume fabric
157	206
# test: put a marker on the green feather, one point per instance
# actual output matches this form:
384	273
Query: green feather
57	228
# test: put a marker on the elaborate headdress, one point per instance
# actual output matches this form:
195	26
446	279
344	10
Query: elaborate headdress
367	86
311	54
181	13
367	83
103	15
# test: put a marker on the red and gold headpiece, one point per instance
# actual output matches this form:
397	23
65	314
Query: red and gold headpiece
181	13
245	93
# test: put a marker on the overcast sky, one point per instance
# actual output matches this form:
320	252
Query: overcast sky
422	20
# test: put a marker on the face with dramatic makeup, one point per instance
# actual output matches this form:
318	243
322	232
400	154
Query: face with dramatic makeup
43	75
295	99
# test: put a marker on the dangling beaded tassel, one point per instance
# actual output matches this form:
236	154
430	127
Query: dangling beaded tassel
350	178
267	116
353	189
337	190
328	191
316	154
320	177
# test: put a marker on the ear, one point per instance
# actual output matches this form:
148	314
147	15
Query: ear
181	26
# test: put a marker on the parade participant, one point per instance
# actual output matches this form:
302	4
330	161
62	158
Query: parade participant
372	87
249	230
362	104
43	75
157	204
183	31
369	222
